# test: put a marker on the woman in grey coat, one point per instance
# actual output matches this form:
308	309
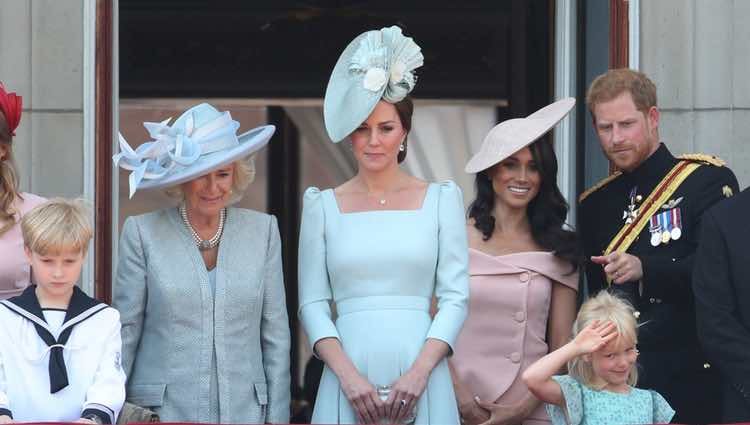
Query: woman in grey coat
199	287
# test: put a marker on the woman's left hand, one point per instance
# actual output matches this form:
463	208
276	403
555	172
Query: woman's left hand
404	395
503	414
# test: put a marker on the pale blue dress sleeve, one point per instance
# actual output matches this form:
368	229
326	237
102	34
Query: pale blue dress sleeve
572	414
663	412
452	275
314	287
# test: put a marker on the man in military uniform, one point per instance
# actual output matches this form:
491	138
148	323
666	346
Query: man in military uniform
721	284
640	229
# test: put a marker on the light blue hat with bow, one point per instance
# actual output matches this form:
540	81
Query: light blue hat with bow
201	140
375	65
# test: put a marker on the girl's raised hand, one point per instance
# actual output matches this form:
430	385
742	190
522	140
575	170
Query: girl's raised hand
595	336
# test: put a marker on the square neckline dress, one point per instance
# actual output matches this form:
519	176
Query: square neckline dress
381	268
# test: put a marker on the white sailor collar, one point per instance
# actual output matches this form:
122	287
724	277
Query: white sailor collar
80	308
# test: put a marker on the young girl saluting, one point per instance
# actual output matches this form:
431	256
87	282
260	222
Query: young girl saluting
601	360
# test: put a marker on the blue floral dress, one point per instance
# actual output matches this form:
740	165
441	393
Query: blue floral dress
586	406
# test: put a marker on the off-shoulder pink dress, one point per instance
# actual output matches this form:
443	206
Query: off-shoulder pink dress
506	328
14	267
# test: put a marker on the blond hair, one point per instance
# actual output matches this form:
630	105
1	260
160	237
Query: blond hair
604	307
617	81
56	226
244	174
8	179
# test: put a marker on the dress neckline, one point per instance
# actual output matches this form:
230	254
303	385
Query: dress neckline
615	393
478	251
416	210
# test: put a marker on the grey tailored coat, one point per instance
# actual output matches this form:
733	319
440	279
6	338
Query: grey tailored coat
170	326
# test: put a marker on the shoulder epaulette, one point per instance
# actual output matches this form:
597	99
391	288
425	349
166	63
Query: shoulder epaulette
700	157
599	185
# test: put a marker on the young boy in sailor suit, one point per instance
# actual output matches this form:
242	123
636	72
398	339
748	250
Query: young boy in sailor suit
59	348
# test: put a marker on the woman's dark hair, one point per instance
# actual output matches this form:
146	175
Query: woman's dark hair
404	109
546	212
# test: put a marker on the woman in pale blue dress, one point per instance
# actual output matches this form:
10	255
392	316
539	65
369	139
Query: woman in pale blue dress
379	247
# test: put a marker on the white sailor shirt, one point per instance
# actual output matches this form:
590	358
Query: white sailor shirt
60	372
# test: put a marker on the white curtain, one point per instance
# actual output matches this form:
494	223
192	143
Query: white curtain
442	139
309	121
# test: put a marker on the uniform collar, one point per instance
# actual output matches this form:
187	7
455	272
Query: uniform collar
79	303
80	308
654	168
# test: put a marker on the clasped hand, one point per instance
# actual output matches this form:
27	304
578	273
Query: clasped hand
401	401
502	414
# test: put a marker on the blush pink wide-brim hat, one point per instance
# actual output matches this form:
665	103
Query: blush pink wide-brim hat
512	135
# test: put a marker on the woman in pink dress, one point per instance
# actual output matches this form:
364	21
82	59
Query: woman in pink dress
14	268
523	267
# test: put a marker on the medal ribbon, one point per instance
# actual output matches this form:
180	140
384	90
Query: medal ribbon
655	225
676	218
663	191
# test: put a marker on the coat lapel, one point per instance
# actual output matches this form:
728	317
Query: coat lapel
185	246
224	260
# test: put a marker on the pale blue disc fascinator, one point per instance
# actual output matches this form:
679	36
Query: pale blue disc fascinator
375	65
201	140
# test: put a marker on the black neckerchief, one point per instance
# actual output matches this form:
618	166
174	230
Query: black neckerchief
80	308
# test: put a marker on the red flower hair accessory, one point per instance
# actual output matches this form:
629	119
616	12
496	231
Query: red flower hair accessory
11	105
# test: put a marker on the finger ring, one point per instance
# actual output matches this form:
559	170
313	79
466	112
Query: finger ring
403	402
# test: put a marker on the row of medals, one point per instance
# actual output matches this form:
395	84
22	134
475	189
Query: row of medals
663	229
660	234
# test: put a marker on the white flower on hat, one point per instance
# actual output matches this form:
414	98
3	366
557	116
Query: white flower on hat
375	79
386	57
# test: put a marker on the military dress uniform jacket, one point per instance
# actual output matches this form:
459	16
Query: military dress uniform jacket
171	321
721	283
671	361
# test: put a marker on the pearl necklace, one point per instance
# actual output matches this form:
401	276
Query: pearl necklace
204	245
